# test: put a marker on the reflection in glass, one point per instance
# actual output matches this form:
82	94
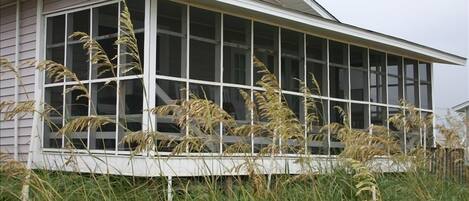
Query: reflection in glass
295	103
336	117
76	106
53	97
212	93
377	77
105	28
266	48
104	99
234	105
428	138
169	92
137	11
394	131
78	22
55	54
236	50
316	65
171	42
359	116
358	73
130	109
411	82
55	30
319	143
425	86
378	115
106	18
204	53
78	61
292	60
100	70
338	70
55	41
395	81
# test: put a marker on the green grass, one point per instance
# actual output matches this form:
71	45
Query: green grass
337	185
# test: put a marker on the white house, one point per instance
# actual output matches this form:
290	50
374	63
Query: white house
206	47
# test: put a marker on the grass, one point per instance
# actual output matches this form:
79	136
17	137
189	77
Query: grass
337	185
201	118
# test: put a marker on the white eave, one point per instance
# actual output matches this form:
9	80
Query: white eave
461	107
305	6
336	30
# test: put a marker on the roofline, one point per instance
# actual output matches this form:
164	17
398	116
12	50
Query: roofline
461	106
438	56
321	10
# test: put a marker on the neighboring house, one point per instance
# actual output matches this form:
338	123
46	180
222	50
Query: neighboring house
207	47
463	108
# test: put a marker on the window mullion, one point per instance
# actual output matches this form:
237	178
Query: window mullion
251	62
64	100
118	89
149	73
90	68
221	78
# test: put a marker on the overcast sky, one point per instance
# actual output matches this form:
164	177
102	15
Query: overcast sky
441	24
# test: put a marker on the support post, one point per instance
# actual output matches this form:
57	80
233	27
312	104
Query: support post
170	188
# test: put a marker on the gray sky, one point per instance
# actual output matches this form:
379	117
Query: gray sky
441	24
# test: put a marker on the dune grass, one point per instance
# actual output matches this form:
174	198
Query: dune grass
337	185
353	180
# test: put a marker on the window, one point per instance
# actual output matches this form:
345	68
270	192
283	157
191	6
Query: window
105	86
53	96
295	103
411	82
104	98
76	106
77	57
204	53
359	116
211	93
55	42
394	131
234	104
395	81
425	77
105	31
316	65
377	77
168	92
209	54
428	138
358	73
338	70
130	109
379	115
172	39
336	117
236	50
319	143
292	60
266	48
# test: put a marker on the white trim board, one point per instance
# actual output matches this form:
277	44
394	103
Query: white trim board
142	166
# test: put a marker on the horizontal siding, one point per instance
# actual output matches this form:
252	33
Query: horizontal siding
54	5
27	53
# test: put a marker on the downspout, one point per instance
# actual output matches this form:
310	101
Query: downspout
17	74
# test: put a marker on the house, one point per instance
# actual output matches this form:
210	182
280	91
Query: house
207	47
